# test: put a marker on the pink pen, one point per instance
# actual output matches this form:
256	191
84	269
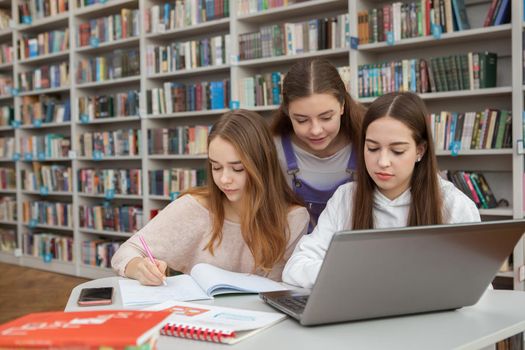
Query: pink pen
150	256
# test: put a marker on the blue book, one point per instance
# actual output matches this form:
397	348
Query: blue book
460	14
503	15
217	94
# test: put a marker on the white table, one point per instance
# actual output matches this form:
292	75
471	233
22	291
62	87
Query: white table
498	315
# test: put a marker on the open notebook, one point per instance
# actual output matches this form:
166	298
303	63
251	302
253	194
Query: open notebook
203	282
213	323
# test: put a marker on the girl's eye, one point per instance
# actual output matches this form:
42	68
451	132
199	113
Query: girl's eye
301	121
238	170
398	152
372	149
216	168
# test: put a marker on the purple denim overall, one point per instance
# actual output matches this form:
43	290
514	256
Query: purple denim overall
314	199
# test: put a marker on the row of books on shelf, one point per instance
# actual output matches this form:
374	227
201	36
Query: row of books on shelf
7	115
169	16
48	246
175	97
43	109
44	77
47	213
43	44
395	21
7	240
261	90
170	182
45	146
488	129
31	10
110	181
180	140
123	218
175	56
7	179
114	65
295	38
8	209
122	142
120	104
6	85
438	74
6	53
474	185
98	252
118	26
51	178
246	7
7	147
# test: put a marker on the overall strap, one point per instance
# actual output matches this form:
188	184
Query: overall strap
351	167
291	159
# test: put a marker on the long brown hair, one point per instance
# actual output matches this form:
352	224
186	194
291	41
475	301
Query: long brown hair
426	205
267	197
317	76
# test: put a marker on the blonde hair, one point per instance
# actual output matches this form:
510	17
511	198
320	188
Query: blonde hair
267	197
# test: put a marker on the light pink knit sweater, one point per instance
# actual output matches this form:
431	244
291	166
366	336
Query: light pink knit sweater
179	233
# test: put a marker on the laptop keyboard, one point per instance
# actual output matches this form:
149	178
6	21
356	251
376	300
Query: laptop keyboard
295	303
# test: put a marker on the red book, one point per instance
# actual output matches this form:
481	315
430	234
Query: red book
114	329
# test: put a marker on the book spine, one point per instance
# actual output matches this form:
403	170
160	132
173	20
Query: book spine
197	333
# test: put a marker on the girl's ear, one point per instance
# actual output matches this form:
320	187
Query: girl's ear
420	150
342	108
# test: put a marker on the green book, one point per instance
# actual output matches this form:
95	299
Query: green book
488	62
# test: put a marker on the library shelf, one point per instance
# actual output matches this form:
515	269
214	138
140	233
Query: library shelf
6	66
49	227
52	57
177	156
64	89
109	120
7	191
48	193
297	9
9	258
59	266
109	197
496	212
109	45
188	72
46	125
109	158
484	33
188	114
51	22
213	26
105	232
110	83
8	222
272	61
502	90
475	152
101	9
6	33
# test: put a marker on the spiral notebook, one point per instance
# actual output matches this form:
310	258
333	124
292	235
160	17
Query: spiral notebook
213	323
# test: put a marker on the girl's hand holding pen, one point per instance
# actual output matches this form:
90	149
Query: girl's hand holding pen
146	272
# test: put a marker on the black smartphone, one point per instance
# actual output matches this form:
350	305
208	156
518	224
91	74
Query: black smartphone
95	296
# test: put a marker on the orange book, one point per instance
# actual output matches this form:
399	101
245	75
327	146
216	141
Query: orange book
107	329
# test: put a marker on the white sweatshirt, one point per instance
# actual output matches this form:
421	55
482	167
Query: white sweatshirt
303	266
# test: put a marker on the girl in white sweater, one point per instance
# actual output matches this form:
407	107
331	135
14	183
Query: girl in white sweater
246	220
397	185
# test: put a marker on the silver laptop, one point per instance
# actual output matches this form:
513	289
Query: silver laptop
387	272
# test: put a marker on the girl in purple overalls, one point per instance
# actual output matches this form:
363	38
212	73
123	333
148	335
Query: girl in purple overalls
314	130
